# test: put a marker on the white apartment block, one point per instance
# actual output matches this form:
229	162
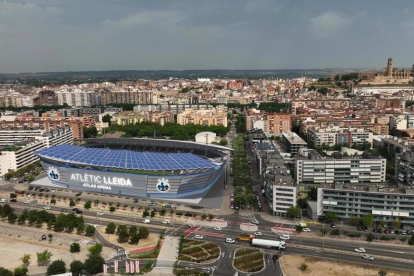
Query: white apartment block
78	98
284	197
329	170
16	153
338	136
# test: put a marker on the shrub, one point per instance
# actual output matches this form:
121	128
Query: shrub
303	266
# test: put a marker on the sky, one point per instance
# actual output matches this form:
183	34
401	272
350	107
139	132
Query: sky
96	35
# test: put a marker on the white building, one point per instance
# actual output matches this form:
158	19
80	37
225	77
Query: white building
338	136
205	137
18	148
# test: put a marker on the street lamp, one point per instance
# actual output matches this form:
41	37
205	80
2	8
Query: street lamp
323	236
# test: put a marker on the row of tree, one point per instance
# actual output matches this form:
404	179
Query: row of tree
131	235
172	130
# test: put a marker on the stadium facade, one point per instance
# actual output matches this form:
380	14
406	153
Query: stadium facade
168	170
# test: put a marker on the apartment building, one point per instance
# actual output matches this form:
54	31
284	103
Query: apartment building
270	123
404	168
45	97
19	145
293	142
318	170
338	136
384	203
217	116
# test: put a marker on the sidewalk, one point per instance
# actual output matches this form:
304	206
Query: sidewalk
167	257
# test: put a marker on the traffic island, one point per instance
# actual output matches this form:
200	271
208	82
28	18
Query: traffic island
248	260
198	251
192	272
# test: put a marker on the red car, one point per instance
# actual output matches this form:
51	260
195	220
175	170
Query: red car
387	231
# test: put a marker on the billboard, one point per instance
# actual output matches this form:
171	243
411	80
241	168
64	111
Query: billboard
193	186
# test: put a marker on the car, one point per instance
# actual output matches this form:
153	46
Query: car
258	234
255	222
379	230
217	228
232	194
100	213
27	202
47	207
392	232
191	225
284	237
397	232
14	179
199	237
232	206
367	257
63	210
360	250
333	226
386	231
275	258
409	232
121	249
229	240
78	194
360	229
166	221
75	209
79	212
375	238
146	221
403	232
13	200
306	229
43	237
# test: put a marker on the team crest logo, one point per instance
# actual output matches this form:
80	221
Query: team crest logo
53	173
163	185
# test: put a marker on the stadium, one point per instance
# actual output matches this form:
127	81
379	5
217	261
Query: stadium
168	170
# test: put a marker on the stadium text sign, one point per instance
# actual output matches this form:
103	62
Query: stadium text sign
90	180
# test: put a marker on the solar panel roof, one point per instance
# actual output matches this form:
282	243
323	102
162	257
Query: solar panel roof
125	159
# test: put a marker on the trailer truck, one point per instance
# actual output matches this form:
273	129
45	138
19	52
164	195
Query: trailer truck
279	245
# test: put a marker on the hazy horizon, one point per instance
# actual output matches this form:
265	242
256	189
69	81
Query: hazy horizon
95	35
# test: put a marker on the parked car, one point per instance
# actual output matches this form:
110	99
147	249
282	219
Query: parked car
191	225
229	240
403	232
79	212
13	200
255	222
306	229
78	194
258	234
386	231
392	232
3	200
47	207
333	225
360	250
217	228
100	213
27	202
284	237
166	221
199	237
367	257
43	237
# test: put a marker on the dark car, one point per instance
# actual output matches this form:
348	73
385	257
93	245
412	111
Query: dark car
75	209
275	258
397	232
375	237
360	229
379	230
79	212
13	200
63	210
78	194
43	237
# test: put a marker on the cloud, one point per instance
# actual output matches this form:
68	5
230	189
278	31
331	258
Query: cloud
328	23
144	18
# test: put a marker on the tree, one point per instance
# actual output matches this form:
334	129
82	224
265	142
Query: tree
53	201
133	230
11	218
110	229
223	142
123	234
56	267
80	229
90	132
367	220
90	231
143	232
107	119
94	264
331	216
313	193
25	259
44	256
382	273
74	247
20	271
134	238
76	268
210	217
72	202
355	220
87	205
162	212
369	237
299	228
145	214
95	249
50	237
152	214
293	211
411	240
112	209
203	216
5	272
396	223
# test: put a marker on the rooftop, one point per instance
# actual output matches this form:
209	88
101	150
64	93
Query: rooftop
293	138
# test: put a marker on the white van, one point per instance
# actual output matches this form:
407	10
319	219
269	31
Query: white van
146	221
166	221
2	200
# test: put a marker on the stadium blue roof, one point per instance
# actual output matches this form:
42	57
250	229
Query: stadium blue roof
125	159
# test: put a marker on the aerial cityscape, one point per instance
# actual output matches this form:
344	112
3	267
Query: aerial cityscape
206	138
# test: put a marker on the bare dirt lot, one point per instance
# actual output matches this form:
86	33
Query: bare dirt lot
143	243
291	265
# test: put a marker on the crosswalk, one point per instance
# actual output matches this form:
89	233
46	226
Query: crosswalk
120	253
237	224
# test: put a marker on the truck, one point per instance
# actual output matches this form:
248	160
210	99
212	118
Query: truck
245	237
167	206
279	245
303	224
